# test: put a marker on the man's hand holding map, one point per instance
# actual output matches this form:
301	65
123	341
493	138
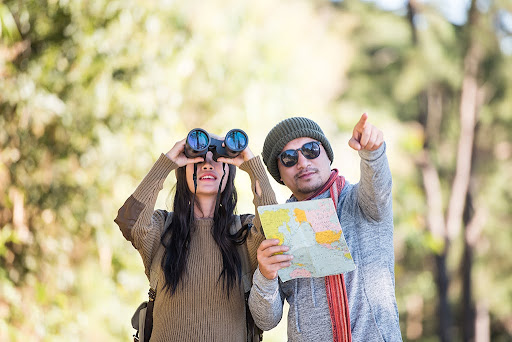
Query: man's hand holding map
312	231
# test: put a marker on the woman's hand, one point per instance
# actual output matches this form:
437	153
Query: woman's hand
244	156
177	155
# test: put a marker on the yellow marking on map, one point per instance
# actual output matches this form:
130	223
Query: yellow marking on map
278	236
275	219
348	256
327	237
300	215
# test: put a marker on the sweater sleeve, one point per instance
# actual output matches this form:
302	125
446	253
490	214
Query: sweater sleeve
137	218
254	167
265	301
374	189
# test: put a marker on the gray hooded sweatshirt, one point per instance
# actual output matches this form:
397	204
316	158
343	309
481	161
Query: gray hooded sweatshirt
366	217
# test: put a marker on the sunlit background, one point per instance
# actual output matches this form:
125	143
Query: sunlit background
92	92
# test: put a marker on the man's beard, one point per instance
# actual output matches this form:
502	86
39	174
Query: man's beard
310	186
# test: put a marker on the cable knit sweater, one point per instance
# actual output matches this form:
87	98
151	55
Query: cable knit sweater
200	309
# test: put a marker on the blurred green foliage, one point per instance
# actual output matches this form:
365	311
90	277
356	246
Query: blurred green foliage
91	92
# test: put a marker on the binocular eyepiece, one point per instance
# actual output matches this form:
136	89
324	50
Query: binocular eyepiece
199	143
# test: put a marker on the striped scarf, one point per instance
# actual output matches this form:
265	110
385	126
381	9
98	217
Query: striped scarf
335	284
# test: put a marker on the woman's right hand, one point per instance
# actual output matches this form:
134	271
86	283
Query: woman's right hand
177	155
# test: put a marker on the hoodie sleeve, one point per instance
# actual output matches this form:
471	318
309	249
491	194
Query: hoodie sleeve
265	301
374	189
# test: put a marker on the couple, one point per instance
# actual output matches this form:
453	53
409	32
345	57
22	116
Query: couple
200	292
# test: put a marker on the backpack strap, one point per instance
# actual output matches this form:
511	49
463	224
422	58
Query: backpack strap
244	257
155	269
154	273
254	333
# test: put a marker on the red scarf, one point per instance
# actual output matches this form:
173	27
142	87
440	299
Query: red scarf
335	284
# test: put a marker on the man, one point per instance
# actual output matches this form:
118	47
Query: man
359	305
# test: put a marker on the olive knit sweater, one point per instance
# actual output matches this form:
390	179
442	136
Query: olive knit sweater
200	309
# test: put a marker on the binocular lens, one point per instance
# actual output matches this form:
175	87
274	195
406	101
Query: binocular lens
236	140
198	140
199	143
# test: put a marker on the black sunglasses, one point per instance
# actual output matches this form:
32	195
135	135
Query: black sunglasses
310	150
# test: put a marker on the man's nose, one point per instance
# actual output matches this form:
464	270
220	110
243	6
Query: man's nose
302	162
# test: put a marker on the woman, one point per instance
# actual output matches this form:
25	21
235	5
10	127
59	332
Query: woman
199	295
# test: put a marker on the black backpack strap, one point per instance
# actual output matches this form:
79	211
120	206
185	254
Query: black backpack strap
254	333
244	256
154	274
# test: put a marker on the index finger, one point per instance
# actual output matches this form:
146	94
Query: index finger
181	142
268	243
361	123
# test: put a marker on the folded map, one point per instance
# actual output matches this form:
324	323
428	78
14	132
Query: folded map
312	231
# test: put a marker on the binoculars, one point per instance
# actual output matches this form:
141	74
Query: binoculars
199	143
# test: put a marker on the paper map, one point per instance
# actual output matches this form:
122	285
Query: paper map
312	231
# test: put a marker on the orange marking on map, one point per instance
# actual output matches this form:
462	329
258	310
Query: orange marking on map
327	237
300	215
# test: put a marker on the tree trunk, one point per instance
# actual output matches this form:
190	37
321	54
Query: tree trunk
446	225
482	324
467	307
461	208
444	311
473	320
468	106
435	212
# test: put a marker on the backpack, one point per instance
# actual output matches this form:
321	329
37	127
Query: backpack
142	319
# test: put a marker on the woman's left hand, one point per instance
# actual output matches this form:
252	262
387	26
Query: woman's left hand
244	156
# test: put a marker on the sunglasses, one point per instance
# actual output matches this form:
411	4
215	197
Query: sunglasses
310	150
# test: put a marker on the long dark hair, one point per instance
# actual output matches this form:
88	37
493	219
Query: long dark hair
176	237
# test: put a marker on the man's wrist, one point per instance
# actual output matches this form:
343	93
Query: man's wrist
373	155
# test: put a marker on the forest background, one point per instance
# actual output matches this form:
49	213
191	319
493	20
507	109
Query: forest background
91	92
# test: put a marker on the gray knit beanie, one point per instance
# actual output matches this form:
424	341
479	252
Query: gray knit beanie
286	131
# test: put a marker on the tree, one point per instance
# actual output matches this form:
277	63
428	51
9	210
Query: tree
428	76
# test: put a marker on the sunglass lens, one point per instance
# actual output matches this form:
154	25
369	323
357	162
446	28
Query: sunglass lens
311	150
289	157
198	140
